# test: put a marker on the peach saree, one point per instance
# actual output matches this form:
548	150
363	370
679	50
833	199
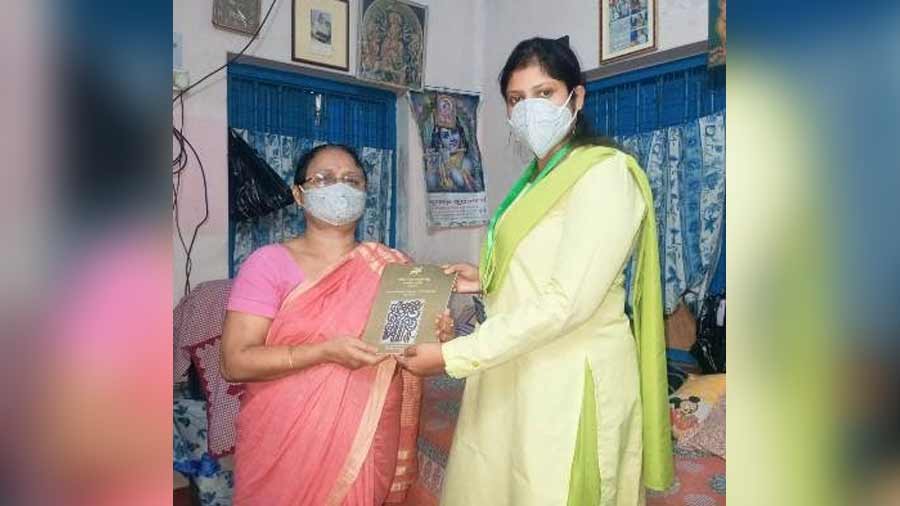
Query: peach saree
329	435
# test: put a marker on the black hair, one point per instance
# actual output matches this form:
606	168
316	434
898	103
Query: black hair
307	158
557	60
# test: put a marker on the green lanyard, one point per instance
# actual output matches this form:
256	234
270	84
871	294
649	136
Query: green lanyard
522	185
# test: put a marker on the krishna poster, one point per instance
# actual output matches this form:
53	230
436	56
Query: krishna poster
454	178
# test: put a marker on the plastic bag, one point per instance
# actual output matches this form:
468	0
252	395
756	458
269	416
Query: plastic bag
709	350
254	188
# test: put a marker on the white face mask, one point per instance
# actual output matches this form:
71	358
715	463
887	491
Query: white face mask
337	204
540	123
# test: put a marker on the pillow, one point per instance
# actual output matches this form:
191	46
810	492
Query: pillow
223	398
711	436
693	402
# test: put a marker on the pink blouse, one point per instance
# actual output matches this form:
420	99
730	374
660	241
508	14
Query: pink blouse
264	280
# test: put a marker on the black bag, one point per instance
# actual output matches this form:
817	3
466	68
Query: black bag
709	350
254	188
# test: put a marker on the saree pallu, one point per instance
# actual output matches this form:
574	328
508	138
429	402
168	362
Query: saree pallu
329	435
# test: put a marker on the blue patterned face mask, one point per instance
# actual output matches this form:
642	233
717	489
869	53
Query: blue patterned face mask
337	204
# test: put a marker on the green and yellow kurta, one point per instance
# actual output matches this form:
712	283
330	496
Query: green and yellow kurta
552	411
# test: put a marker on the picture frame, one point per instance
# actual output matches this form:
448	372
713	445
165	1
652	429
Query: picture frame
320	33
242	16
392	39
628	28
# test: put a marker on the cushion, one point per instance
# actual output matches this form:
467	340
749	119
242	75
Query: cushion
198	317
711	436
223	398
692	403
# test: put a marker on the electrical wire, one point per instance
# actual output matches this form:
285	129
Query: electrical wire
180	161
189	246
233	58
183	157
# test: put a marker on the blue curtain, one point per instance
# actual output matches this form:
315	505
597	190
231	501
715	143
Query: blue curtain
671	117
282	153
686	168
282	114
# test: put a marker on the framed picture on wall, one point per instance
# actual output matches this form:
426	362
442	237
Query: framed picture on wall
627	28
320	33
392	35
236	15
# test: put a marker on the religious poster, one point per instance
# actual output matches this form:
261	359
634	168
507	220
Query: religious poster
454	178
392	42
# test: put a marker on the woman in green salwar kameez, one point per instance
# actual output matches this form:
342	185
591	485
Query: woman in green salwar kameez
565	399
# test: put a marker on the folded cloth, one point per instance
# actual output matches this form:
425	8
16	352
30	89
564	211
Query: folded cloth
198	317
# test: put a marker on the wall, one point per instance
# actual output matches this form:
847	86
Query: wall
468	42
681	22
452	60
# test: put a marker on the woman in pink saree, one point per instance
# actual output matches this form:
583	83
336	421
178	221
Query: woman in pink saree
324	420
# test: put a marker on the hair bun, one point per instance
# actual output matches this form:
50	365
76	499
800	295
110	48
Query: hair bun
564	40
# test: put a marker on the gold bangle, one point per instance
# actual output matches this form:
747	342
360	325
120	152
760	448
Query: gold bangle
291	357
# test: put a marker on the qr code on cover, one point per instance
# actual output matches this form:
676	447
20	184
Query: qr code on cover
402	323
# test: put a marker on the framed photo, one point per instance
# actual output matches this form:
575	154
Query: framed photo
627	28
320	33
392	35
236	15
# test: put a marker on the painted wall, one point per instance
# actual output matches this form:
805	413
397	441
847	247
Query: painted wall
681	22
455	30
468	42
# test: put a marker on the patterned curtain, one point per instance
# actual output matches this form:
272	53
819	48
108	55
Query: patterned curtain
686	168
282	153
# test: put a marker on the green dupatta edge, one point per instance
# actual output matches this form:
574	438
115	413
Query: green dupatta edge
646	293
